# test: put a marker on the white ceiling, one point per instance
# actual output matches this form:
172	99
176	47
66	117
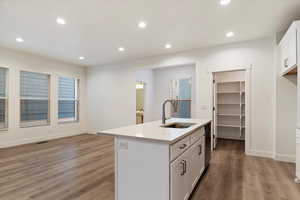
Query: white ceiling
96	28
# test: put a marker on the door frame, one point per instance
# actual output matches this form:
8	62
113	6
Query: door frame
247	102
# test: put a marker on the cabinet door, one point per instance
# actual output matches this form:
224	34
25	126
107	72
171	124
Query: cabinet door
179	179
288	49
196	162
284	54
292	47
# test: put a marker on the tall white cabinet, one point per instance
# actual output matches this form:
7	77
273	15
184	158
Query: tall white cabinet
289	52
298	106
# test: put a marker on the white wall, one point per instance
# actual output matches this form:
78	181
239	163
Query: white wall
111	98
258	54
16	61
162	80
111	93
157	87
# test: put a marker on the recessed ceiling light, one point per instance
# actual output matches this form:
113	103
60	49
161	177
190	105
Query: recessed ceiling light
121	49
225	2
139	86
230	34
19	39
168	46
81	58
142	24
61	21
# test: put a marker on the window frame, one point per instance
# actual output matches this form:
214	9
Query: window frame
35	123
6	98
76	100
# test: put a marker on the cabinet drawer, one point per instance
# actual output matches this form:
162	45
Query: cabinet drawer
195	136
179	147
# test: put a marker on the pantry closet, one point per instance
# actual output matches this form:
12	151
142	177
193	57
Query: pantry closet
230	95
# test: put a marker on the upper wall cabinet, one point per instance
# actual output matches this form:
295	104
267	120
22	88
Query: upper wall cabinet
288	50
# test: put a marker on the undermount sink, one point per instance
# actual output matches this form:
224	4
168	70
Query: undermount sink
177	125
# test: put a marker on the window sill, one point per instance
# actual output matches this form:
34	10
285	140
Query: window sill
68	122
34	124
3	126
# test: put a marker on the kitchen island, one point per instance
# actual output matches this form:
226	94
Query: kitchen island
158	162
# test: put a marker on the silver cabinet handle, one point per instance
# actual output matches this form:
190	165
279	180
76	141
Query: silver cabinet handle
200	150
286	62
183	146
183	168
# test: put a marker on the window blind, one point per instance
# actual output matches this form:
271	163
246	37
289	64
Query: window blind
67	103
34	91
3	82
3	98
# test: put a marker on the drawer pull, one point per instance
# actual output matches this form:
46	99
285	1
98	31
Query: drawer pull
200	150
183	146
183	168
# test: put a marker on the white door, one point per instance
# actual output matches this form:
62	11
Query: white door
298	79
214	127
298	156
179	179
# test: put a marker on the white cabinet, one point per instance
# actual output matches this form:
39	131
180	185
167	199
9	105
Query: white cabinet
196	161
298	156
179	178
288	50
188	167
151	169
179	147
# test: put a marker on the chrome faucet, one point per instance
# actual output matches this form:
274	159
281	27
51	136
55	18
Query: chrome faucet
173	103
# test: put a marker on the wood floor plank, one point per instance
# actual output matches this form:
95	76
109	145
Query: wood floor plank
235	176
82	168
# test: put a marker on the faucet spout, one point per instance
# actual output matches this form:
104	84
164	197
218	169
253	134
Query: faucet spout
172	102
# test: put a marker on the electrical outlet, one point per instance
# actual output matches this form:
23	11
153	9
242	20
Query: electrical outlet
123	145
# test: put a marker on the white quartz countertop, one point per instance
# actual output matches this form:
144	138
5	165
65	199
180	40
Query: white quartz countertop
154	131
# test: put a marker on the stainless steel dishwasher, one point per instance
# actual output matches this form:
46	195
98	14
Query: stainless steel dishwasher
207	144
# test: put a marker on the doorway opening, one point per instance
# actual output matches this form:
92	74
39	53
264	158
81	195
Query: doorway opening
230	108
140	102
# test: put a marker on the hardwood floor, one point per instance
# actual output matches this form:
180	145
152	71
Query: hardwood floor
234	176
82	168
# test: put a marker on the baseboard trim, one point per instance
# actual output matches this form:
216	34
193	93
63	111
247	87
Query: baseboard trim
268	154
285	158
92	131
6	144
264	154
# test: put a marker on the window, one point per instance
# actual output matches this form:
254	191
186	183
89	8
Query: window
34	99
181	91
68	99
3	98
